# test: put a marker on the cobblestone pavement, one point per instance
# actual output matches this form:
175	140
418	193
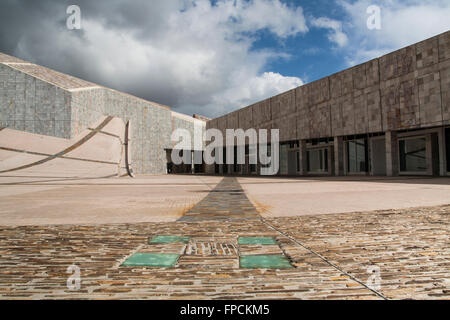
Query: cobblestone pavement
331	255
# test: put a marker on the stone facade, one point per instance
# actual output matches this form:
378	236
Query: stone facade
404	90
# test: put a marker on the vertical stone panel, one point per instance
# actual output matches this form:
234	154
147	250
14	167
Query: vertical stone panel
445	85
427	53
372	73
444	46
398	63
302	106
430	99
360	112
348	114
347	81
390	104
359	76
245	117
320	125
319	91
337	122
335	85
373	102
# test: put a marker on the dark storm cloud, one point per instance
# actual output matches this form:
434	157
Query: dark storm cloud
30	28
172	52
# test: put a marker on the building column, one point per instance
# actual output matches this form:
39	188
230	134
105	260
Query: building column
392	165
303	161
442	160
339	156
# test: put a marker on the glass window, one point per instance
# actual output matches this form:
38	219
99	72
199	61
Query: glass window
298	161
235	164
357	155
317	160
413	155
447	146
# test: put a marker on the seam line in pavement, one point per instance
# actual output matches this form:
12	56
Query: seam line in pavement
379	294
121	261
60	157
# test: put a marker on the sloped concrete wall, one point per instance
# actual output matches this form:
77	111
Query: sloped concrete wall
36	106
195	127
151	125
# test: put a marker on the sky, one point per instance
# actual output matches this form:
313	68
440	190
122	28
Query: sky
212	57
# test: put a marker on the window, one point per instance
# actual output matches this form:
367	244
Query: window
447	146
357	156
236	167
413	155
253	168
298	161
317	160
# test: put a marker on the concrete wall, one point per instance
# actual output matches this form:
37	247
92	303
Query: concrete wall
151	125
195	127
30	104
406	89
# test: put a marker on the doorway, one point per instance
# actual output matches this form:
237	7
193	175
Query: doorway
378	156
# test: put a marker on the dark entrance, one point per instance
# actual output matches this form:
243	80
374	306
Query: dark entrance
447	147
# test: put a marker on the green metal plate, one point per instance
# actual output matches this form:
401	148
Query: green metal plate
257	240
169	239
264	262
162	260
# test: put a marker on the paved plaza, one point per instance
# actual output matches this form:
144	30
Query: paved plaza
201	237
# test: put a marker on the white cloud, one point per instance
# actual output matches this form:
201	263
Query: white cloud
199	58
242	93
402	23
336	35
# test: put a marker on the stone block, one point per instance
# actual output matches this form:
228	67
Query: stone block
246	118
319	91
373	102
398	63
430	99
408	105
283	104
337	125
359	76
262	112
347	81
372	72
348	114
288	128
336	85
320	121
427	53
445	92
360	112
444	46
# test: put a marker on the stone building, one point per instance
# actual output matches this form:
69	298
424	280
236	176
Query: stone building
42	101
388	116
